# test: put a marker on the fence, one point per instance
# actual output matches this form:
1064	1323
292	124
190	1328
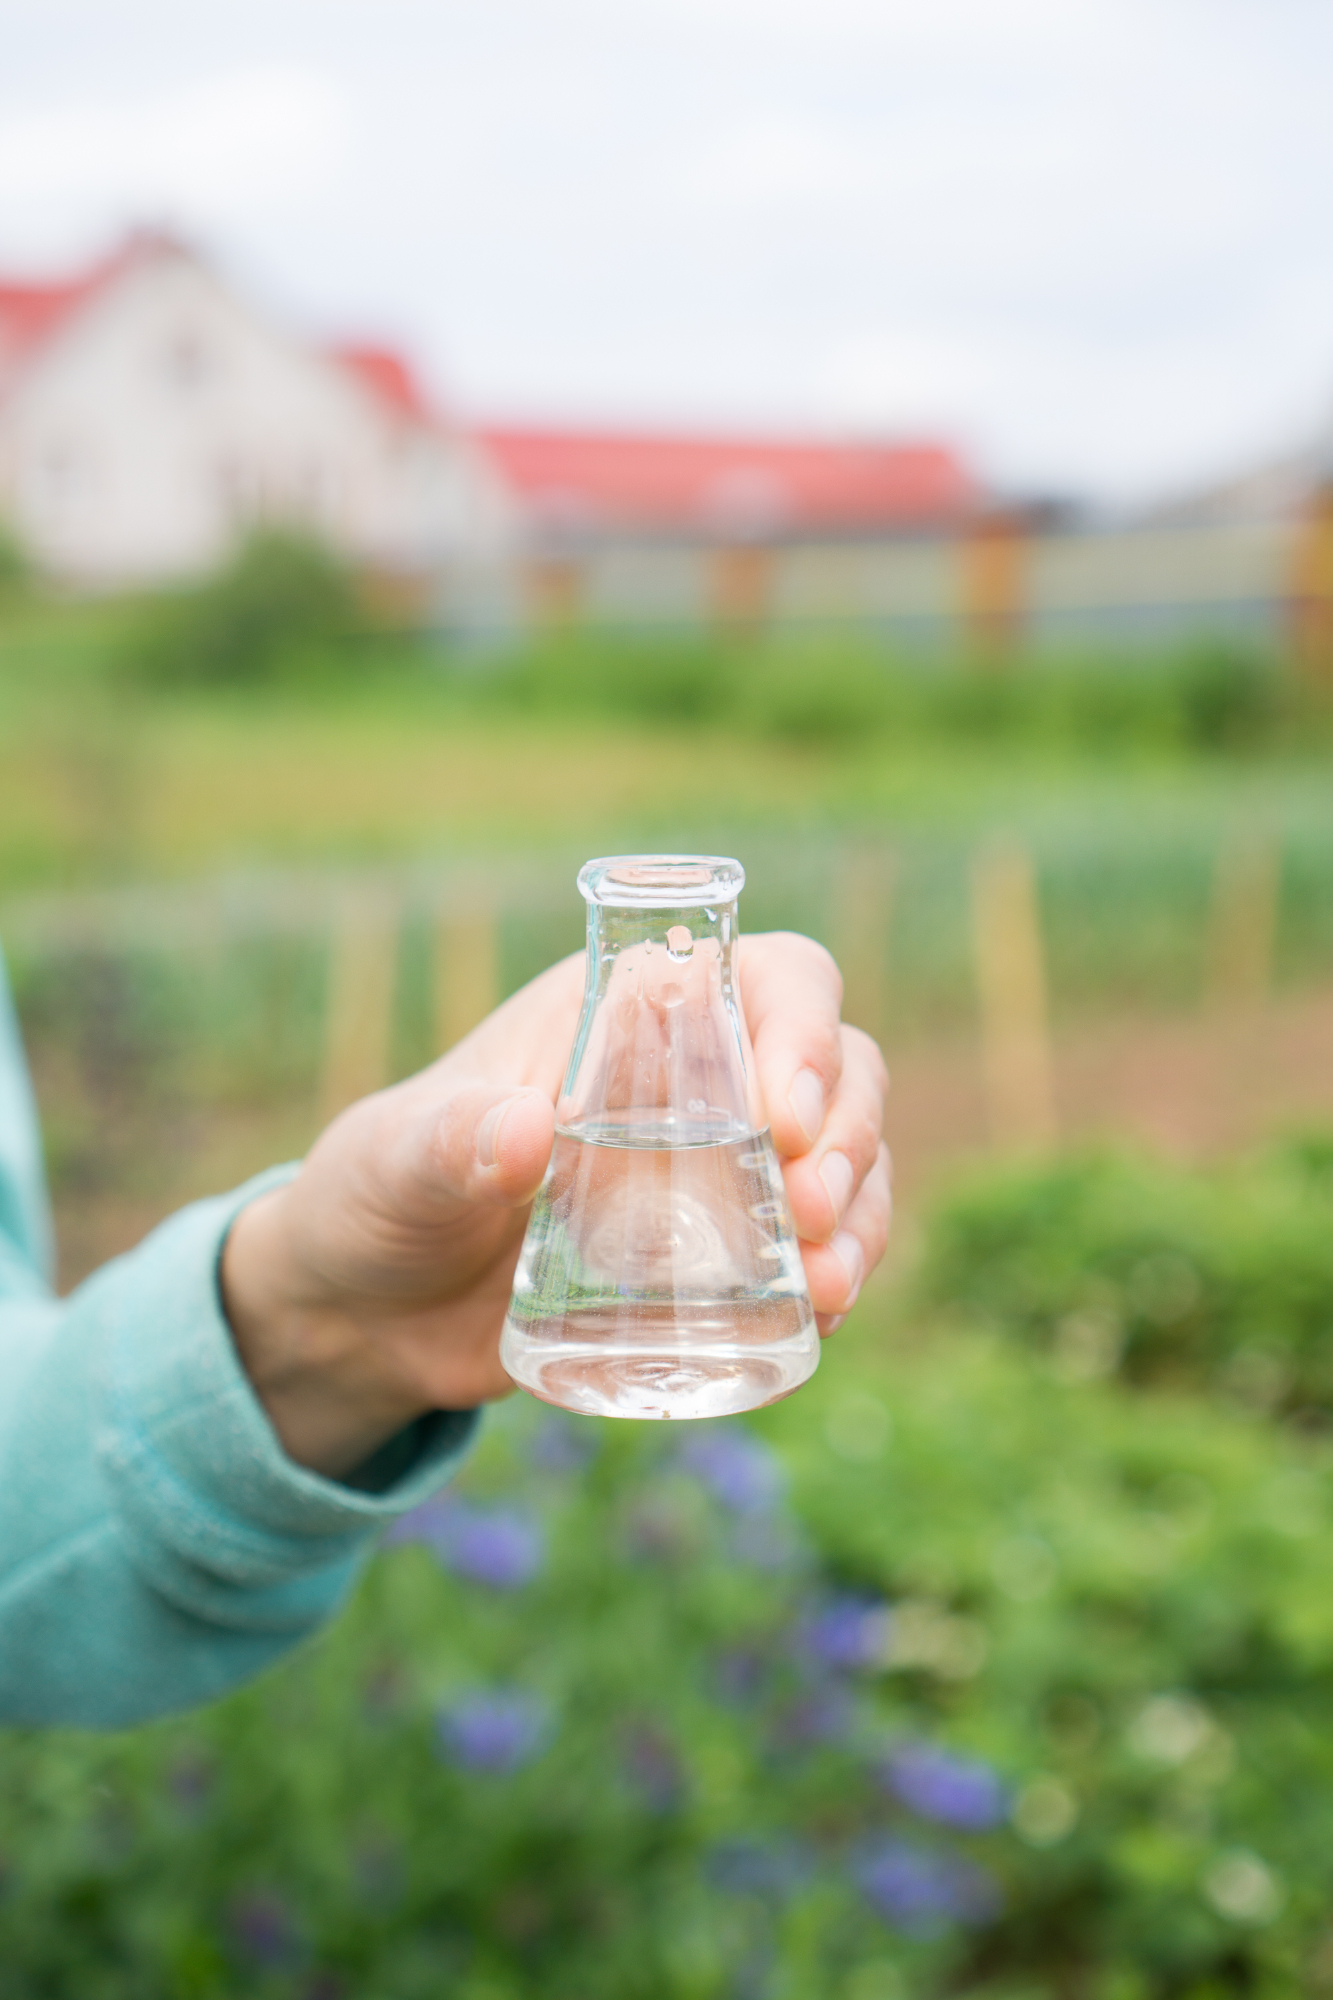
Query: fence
1001	583
1003	926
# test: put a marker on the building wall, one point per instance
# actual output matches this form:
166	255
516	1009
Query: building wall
164	419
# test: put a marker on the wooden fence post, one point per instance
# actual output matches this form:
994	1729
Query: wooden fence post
467	975
1011	978
995	562
362	975
1311	606
862	913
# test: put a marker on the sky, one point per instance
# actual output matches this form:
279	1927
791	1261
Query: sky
1085	240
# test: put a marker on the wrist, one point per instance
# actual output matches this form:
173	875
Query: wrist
319	1378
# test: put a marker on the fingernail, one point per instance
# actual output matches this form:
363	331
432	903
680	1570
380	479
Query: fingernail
806	1098
837	1176
832	1325
847	1249
488	1132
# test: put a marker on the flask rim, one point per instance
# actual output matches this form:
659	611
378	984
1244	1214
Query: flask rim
660	881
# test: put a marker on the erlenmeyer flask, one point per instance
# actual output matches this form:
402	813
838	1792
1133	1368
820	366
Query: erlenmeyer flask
660	1275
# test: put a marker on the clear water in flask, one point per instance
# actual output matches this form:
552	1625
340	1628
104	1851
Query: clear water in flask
660	1275
661	1281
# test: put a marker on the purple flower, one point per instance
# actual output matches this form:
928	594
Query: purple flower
768	1541
768	1868
923	1892
659	1527
737	1468
264	1928
653	1768
192	1781
957	1791
564	1444
827	1715
496	1729
846	1633
738	1675
502	1547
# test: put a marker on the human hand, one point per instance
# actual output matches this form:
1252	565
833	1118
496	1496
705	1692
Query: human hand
373	1287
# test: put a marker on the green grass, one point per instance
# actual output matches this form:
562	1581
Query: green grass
793	752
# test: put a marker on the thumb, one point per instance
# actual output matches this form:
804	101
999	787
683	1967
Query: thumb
483	1144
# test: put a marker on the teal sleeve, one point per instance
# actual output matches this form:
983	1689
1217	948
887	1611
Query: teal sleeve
26	1241
156	1544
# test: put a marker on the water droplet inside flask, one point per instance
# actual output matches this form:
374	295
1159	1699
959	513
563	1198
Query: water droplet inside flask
679	942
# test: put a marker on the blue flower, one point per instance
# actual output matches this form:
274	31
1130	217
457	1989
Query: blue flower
768	1541
264	1928
826	1715
564	1444
495	1729
924	1892
502	1547
653	1768
737	1468
956	1791
846	1633
772	1869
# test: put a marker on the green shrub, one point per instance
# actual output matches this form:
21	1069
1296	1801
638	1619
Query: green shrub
280	599
1220	1280
945	1676
1231	698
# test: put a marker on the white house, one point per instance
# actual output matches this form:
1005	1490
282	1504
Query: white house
149	416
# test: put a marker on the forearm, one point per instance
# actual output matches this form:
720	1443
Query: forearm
156	1544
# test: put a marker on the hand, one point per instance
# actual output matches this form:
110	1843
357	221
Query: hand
373	1287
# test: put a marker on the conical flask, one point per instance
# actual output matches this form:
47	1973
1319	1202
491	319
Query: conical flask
660	1275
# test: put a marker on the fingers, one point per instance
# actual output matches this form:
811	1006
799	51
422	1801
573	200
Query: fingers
484	1143
835	1271
792	993
822	1183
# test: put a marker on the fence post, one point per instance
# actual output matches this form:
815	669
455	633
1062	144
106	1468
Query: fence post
862	913
467	975
995	559
1244	922
1011	978
363	964
1311	606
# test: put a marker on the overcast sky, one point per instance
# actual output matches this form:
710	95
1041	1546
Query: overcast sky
1088	239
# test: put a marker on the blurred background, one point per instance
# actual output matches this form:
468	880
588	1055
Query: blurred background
895	448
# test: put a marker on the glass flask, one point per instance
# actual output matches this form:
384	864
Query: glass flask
660	1275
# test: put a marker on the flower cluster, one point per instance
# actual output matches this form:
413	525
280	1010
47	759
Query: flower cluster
501	1547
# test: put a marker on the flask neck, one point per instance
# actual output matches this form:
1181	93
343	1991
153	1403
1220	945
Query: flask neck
662	1056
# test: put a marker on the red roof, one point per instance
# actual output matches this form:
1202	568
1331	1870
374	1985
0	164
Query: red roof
390	377
654	480
31	314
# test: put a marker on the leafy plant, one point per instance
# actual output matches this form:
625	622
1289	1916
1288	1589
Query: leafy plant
948	1675
1188	1279
279	598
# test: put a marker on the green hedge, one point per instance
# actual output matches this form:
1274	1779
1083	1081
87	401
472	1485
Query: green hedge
1221	1280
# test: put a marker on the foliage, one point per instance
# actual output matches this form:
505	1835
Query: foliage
14	567
280	598
951	1674
1221	1279
1229	698
837	688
